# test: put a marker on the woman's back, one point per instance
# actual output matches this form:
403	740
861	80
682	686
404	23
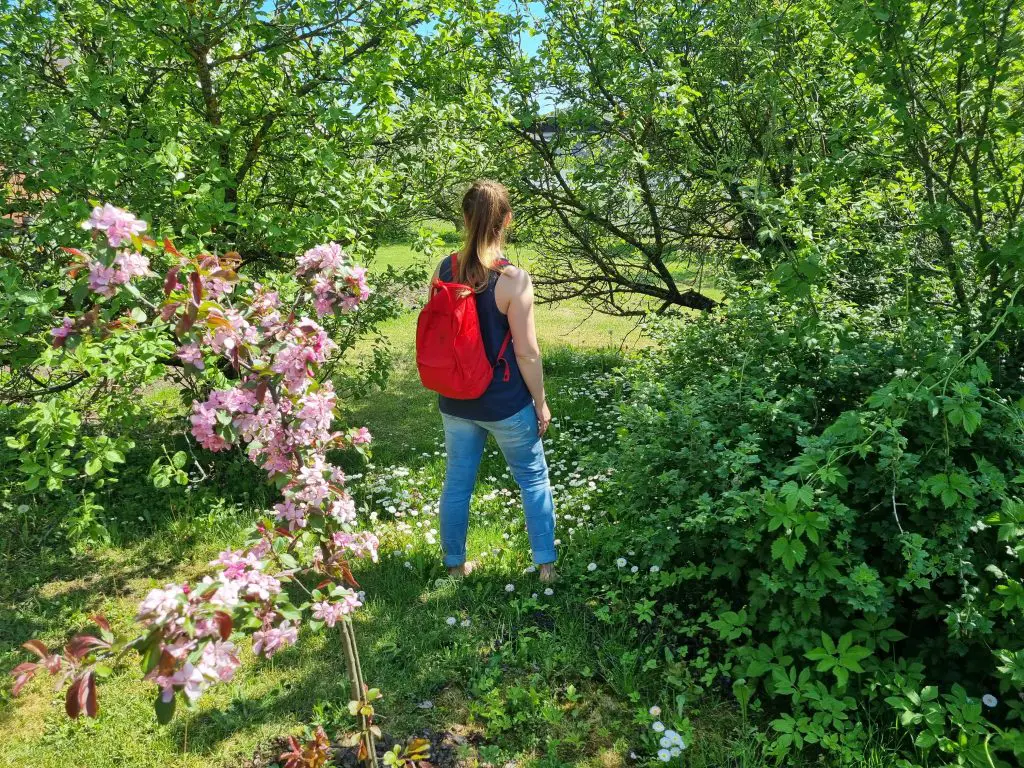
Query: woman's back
502	398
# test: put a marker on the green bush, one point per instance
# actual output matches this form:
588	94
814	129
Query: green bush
832	502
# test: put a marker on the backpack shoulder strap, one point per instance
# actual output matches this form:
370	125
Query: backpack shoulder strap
500	264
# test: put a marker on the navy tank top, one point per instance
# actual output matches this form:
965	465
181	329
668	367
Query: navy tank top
502	398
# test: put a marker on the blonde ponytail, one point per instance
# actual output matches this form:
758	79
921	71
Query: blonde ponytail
485	207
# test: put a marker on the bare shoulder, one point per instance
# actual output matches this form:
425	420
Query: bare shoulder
516	278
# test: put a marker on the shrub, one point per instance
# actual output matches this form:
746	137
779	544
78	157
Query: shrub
834	505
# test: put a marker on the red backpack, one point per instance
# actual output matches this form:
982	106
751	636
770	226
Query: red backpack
450	352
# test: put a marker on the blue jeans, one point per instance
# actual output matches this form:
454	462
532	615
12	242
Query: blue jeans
519	442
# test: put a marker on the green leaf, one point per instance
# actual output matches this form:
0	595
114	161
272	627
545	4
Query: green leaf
164	709
842	675
925	740
790	551
93	465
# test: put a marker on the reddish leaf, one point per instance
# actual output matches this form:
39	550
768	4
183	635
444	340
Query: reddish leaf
169	310
102	623
171	280
71	705
261	390
83	692
80	645
187	320
74	252
231	258
197	287
224	624
25	666
167	663
346	574
169	247
38	647
91	706
22	674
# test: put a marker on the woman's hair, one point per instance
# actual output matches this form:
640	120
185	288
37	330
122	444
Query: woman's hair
485	207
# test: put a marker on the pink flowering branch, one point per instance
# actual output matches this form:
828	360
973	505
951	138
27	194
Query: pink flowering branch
284	420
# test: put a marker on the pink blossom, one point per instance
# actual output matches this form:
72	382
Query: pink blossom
288	512
263	301
361	544
63	330
188	678
324	257
228	335
180	647
228	594
318	406
326	612
204	422
130	264
219	661
308	345
357	279
362	436
237	400
343	510
269	641
329	613
261	585
260	549
190	353
235	562
162	604
103	279
116	222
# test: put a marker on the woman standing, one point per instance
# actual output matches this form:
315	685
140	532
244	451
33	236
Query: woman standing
513	408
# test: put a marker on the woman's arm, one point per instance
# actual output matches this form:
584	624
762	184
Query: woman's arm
524	334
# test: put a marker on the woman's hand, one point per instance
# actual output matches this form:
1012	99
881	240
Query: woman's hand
543	417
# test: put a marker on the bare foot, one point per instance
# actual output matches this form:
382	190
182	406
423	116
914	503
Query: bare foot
548	573
461	571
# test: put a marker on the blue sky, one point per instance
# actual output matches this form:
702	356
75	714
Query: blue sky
529	44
